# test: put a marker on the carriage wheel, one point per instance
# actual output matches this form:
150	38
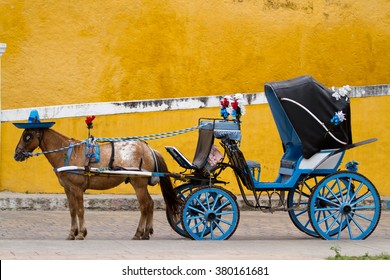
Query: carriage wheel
344	200
182	192
210	213
298	202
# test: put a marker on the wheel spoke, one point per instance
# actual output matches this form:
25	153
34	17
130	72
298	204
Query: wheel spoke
196	209
222	206
325	217
363	197
204	230
224	221
225	213
216	200
201	203
300	213
352	218
363	216
364	207
357	191
328	201
332	193
334	222
196	224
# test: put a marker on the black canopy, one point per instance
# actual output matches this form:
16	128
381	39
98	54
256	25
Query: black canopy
304	109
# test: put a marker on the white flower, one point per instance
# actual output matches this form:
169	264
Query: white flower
341	116
341	92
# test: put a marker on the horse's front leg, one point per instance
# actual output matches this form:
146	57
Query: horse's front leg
72	209
79	198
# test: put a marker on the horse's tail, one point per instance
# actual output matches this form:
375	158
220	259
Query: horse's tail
168	193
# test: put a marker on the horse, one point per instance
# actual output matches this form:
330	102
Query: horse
134	154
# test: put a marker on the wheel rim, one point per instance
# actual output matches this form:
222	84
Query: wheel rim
344	201
210	213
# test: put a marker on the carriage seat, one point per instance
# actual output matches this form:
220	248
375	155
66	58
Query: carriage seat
203	148
289	160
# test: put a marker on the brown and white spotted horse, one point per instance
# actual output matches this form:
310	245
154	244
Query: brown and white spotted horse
132	154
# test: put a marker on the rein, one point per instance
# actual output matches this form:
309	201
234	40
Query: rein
116	139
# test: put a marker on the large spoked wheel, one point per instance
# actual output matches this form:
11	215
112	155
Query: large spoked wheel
344	201
210	213
182	192
298	204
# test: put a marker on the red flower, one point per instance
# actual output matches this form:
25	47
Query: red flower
234	104
88	121
225	103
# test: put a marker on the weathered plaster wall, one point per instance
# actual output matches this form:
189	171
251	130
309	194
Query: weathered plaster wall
72	52
64	52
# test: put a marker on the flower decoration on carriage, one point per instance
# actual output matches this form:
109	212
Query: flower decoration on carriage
225	111
342	92
89	123
234	106
352	166
336	120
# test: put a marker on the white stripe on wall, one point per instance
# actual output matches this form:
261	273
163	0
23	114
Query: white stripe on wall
128	107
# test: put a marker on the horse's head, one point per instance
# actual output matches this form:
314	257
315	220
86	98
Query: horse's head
32	135
29	141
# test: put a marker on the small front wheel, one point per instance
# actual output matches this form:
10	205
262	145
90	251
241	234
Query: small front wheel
346	202
210	213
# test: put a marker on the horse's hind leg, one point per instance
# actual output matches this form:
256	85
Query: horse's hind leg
145	225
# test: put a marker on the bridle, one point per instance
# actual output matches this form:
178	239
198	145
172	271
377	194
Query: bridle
40	139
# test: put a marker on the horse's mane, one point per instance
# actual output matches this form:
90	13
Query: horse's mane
62	136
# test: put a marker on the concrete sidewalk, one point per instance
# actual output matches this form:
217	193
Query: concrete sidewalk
41	235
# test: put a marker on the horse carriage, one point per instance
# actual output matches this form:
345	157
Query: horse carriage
321	199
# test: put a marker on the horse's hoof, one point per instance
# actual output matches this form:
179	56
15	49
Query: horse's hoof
79	237
136	238
145	237
70	237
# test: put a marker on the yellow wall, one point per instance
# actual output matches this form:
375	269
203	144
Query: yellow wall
67	52
260	142
64	52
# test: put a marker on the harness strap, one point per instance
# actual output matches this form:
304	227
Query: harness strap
112	158
154	158
68	155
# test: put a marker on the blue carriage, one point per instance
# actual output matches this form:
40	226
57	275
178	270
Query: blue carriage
321	200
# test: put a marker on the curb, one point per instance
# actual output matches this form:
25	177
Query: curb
98	202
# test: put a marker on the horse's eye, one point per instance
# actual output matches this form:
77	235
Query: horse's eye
27	137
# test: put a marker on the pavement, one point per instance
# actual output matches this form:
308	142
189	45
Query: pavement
35	227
